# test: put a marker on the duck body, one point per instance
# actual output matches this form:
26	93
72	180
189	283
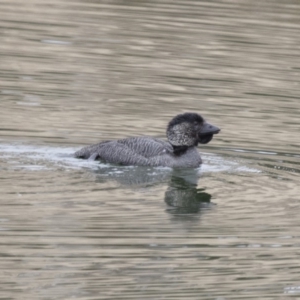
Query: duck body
184	132
141	151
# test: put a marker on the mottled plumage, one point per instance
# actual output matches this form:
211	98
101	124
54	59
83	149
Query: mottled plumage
184	132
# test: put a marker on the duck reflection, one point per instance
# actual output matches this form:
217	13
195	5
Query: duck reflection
182	195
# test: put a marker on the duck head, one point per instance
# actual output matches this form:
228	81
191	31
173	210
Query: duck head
189	129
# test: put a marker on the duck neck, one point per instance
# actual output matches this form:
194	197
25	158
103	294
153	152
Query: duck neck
179	150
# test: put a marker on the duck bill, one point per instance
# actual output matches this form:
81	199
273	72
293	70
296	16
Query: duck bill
207	132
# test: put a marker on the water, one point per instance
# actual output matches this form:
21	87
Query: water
73	73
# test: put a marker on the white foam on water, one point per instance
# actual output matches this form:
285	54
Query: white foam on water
216	163
292	289
37	158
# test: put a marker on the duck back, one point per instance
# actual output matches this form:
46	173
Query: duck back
142	151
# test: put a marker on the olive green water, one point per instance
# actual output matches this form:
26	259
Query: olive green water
73	73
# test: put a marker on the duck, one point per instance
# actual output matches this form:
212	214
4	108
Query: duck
184	133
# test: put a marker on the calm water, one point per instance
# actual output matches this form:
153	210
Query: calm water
73	73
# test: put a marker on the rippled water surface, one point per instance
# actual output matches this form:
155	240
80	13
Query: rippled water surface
73	73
